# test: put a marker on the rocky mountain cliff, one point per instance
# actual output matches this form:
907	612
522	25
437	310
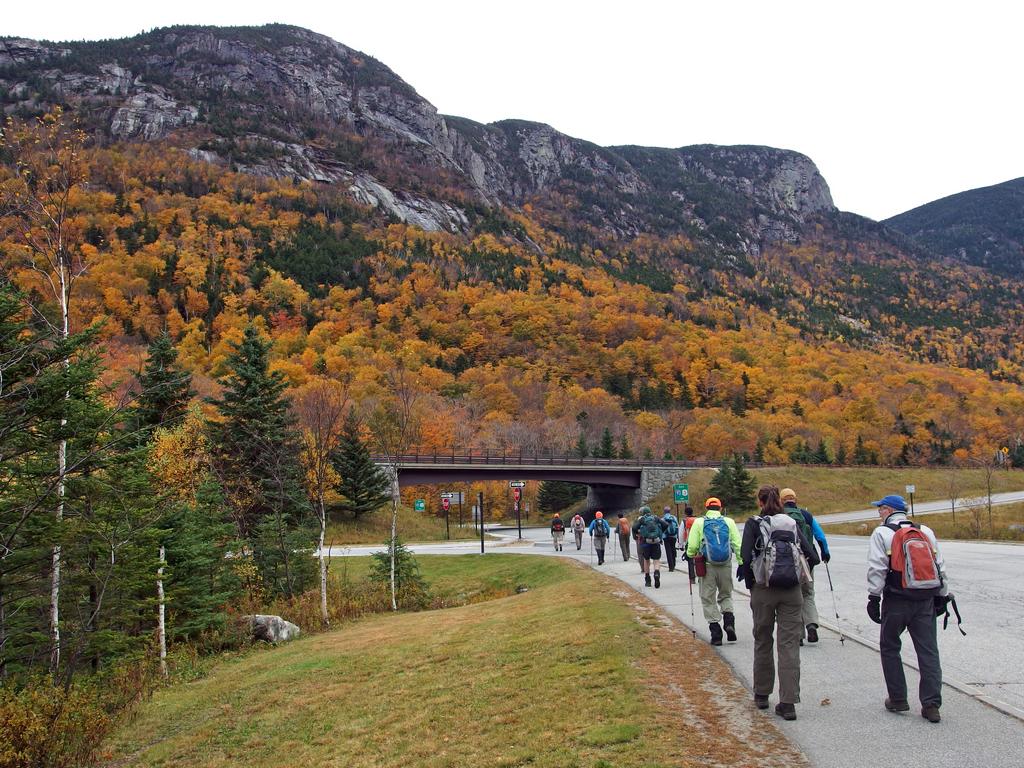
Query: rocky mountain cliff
288	102
984	227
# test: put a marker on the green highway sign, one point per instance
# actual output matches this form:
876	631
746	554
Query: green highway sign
420	505
681	493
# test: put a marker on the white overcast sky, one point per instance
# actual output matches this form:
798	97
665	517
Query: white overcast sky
899	102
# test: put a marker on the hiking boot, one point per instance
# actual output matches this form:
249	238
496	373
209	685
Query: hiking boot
729	622
931	714
896	706
716	633
657	579
786	711
812	633
761	702
647	579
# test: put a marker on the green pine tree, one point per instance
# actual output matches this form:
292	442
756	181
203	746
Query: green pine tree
364	486
625	452
554	496
721	484
744	487
860	453
164	389
607	448
255	453
582	450
821	454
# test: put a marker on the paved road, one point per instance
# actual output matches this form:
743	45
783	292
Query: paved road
925	507
841	721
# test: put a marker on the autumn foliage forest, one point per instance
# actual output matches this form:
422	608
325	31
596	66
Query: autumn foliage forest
519	339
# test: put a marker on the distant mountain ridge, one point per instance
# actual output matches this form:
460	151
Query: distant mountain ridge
285	101
983	226
714	231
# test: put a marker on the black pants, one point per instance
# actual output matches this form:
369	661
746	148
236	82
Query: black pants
670	552
918	617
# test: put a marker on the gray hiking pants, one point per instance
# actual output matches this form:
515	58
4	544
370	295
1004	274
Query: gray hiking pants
624	545
716	591
771	608
918	617
810	610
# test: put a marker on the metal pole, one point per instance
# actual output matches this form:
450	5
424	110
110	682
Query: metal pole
911	507
460	509
835	605
480	506
519	521
447	529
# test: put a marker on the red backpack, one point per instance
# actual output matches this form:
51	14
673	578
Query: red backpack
913	558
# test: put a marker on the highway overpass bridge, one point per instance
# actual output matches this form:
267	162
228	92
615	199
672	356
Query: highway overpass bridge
612	484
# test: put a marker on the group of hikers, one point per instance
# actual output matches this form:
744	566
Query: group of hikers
775	556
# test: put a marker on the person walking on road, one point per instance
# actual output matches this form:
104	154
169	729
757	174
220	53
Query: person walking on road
599	532
622	530
907	587
715	539
684	540
812	532
774	563
578	525
557	531
649	534
671	525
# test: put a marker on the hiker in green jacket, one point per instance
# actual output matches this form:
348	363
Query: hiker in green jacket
713	540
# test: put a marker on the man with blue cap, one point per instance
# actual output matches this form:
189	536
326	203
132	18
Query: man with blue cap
910	600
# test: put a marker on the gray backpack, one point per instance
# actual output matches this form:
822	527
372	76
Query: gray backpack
778	561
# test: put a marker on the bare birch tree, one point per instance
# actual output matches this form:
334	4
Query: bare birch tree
37	206
320	408
395	426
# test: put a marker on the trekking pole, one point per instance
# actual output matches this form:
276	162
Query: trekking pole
835	605
591	550
693	616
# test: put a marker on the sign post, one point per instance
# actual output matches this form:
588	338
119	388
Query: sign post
517	493
681	495
480	505
420	505
910	492
445	504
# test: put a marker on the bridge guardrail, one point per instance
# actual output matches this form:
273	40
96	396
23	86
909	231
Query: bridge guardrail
523	458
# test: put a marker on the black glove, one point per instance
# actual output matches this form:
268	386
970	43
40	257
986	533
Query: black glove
940	604
826	557
740	572
875	608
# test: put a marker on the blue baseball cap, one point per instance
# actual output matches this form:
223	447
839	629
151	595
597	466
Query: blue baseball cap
892	500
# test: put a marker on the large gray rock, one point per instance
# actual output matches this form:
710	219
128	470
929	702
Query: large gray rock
272	629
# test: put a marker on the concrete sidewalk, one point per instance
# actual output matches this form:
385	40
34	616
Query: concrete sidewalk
840	721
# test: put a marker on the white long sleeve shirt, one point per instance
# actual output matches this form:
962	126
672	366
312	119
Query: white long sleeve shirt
880	548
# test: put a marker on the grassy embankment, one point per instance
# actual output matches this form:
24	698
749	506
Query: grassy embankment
824	490
570	673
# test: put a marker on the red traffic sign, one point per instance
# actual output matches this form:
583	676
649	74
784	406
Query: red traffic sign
445	503
517	493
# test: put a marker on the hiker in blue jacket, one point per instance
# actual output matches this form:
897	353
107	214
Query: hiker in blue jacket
813	533
599	532
670	524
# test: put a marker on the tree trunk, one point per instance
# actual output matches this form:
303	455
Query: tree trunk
323	565
395	498
161	612
62	462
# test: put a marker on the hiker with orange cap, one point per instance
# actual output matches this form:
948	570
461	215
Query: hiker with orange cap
713	540
599	532
557	531
578	525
